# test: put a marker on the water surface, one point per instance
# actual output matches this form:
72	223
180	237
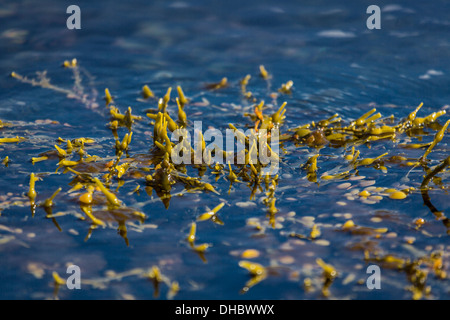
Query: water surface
337	66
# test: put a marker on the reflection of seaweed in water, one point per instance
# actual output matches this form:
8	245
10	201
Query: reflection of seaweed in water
158	172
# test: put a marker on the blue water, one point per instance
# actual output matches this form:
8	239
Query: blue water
337	66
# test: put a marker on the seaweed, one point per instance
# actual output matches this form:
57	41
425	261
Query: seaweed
327	151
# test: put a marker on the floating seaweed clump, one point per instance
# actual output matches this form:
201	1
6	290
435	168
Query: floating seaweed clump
95	181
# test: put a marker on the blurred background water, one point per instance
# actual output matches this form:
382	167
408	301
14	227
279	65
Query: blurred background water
337	66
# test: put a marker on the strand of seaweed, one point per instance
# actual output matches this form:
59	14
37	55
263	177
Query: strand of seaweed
157	172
